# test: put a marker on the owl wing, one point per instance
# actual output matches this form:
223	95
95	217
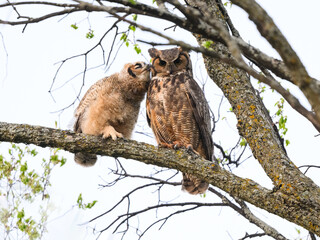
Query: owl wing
201	113
90	96
156	115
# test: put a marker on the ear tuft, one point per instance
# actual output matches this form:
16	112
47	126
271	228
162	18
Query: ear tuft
183	50
153	52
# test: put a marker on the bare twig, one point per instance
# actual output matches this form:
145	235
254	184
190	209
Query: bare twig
264	226
253	235
308	167
85	68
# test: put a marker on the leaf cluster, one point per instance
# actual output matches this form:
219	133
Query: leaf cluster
24	189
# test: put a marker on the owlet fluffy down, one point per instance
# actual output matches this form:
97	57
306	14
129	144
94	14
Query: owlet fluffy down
177	110
111	106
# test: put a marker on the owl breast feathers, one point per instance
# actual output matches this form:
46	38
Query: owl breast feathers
177	110
111	106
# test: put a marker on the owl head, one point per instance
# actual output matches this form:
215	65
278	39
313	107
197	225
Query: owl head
135	78
169	61
137	71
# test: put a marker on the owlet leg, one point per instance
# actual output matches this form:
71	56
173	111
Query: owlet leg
109	131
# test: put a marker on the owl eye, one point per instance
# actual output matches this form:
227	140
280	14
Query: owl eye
177	61
138	65
162	63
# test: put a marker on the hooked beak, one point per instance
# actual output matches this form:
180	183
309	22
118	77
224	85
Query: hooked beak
149	66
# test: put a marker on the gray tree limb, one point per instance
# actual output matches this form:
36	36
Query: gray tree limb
292	207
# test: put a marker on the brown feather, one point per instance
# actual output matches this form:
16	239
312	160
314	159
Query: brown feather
177	110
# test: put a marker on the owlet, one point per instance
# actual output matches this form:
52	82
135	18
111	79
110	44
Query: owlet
111	106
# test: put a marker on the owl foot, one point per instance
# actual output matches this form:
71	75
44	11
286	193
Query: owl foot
177	145
165	145
109	131
191	150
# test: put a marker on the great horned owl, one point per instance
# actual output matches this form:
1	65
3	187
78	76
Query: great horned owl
111	106
177	110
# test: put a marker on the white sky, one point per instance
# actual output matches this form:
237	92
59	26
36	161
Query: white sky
26	75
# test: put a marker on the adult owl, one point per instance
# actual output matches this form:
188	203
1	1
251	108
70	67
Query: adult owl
111	106
177	110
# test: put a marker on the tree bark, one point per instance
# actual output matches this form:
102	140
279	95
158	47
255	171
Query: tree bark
282	202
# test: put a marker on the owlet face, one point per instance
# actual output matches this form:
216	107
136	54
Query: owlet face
138	71
136	78
169	61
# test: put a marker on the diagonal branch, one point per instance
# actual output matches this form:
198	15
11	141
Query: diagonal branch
274	36
267	78
278	202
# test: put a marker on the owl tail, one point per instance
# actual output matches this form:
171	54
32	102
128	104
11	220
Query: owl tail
85	159
193	185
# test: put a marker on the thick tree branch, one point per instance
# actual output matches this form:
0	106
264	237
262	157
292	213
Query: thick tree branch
267	78
247	105
292	207
274	36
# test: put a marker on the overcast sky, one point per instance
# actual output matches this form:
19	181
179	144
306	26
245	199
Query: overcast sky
29	61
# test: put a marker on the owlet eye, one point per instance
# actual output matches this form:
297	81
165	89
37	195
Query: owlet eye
162	63
138	65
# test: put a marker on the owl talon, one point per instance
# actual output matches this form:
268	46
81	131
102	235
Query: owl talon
190	148
177	145
109	131
165	145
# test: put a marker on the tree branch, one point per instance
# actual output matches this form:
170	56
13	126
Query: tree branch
252	118
277	202
274	36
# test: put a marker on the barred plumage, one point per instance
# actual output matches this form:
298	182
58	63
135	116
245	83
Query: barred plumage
177	110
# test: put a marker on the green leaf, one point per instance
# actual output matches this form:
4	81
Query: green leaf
226	4
135	17
20	214
34	152
74	26
79	201
132	27
90	205
90	34
24	167
207	44
137	48
124	37
63	161
84	206
203	195
133	2
287	142
243	142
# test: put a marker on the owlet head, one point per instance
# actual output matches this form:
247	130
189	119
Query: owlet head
137	71
136	77
169	61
